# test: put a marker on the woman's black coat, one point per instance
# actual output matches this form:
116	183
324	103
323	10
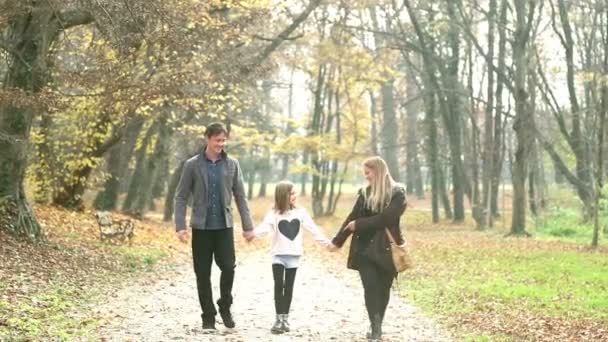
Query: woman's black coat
369	239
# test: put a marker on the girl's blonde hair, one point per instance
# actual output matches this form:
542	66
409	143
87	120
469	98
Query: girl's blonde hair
381	184
282	195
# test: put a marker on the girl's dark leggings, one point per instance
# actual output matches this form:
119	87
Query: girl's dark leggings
283	287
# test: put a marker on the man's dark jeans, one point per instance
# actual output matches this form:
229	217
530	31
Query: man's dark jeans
206	245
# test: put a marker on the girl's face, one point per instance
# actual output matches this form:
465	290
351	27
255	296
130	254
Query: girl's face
293	195
369	174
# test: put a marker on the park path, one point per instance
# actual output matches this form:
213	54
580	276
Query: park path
326	307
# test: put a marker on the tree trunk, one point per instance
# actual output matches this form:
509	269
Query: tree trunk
412	108
250	182
600	149
31	36
331	208
390	130
316	129
264	175
373	112
304	175
153	165
443	192
499	146
170	197
524	121
160	181
288	127
578	143
433	152
488	142
455	120
118	163
534	184
128	205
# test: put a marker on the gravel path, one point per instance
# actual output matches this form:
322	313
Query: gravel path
326	307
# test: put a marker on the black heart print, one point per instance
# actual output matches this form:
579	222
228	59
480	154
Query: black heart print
289	228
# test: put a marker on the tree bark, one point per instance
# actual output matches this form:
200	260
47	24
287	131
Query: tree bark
488	142
118	163
33	35
412	108
153	165
128	205
524	120
433	152
390	129
600	150
499	146
373	112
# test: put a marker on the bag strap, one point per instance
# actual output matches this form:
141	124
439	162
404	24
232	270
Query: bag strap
390	236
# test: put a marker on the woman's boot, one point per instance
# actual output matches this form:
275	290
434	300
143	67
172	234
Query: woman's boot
277	327
376	328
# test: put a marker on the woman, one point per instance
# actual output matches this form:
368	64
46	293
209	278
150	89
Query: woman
378	206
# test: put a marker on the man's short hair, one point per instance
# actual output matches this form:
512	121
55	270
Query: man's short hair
215	129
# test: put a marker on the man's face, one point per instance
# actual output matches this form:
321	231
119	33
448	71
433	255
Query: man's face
216	143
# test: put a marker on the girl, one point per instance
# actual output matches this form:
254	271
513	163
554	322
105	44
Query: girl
378	206
285	222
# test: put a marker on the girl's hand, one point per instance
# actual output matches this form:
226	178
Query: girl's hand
332	248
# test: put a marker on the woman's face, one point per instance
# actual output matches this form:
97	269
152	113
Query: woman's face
369	174
293	195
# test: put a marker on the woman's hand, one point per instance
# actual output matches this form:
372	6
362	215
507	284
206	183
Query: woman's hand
350	226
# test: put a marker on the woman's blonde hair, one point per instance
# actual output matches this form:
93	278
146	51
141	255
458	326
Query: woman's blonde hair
381	184
282	195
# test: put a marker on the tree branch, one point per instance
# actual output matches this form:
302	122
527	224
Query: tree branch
75	18
276	42
298	36
559	163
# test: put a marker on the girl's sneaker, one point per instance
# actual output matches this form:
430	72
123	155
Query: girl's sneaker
277	327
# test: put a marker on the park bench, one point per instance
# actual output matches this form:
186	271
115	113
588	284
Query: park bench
111	229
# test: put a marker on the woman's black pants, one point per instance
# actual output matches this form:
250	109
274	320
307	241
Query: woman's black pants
377	287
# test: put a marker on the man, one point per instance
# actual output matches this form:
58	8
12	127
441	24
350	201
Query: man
212	178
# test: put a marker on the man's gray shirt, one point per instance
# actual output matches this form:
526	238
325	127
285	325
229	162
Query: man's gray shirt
195	182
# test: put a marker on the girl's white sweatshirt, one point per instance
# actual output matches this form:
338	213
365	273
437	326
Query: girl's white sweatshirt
286	231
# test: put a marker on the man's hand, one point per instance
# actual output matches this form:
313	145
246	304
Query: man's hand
248	235
183	235
350	226
332	248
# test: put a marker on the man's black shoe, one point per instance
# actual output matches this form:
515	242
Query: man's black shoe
208	325
227	318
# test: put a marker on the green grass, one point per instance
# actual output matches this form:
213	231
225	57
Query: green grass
549	283
563	224
138	259
553	283
47	315
483	338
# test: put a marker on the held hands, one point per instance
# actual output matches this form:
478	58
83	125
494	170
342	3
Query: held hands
248	235
332	248
183	235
